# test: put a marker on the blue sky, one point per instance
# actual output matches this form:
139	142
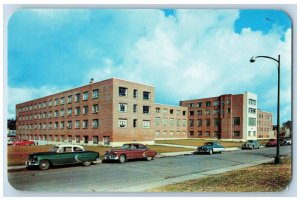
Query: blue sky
185	54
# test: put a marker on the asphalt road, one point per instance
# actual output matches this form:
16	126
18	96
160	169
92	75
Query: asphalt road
136	176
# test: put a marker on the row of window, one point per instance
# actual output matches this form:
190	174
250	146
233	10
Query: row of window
170	133
61	113
61	138
214	133
266	116
236	122
164	111
123	107
208	112
265	129
123	91
123	123
60	101
60	125
208	103
171	122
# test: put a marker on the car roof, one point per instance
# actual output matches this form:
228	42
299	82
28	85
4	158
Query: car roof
68	145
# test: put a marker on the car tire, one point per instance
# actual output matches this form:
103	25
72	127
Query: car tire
252	147
44	165
222	152
122	158
210	152
87	163
149	158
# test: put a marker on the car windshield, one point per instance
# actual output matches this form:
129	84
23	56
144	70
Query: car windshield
125	146
54	149
208	144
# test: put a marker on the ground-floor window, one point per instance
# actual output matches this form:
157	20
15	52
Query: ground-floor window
106	140
69	138
77	138
62	138
95	139
199	133
236	133
85	139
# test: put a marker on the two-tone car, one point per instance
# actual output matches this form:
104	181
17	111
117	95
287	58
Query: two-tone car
62	155
251	144
211	147
130	151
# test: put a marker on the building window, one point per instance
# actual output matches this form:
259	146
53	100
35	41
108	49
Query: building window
157	110
252	121
85	109
44	126
183	113
135	93
95	93
207	103
45	104
191	113
77	98
207	112
252	102
56	125
122	91
95	108
95	123
77	139
77	124
134	123
171	122
134	107
216	133
69	138
191	105
62	100
50	103
50	126
199	133
62	125
207	122
164	111
77	111
70	99
183	123
191	122
199	112
252	110
44	115
122	107
85	139
199	122
122	123
216	122
165	121
236	121
69	111
216	103
207	133
157	121
216	111
56	113
191	133
50	114
85	123
199	104
236	133
146	95
95	139
62	112
56	101
146	124
69	125
228	110
85	95
171	111
146	109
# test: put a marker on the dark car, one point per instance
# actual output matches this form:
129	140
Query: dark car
251	144
272	143
130	151
23	143
211	147
62	155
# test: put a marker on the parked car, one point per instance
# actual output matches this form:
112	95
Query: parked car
211	147
251	144
23	143
130	151
62	155
272	143
285	141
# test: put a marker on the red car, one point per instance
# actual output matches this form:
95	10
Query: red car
23	143
272	143
130	151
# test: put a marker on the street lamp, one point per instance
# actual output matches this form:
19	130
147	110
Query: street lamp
252	60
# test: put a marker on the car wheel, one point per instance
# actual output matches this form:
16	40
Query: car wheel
252	147
87	163
122	158
44	165
210	152
222	152
149	158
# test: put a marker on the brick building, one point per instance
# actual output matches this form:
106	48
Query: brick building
264	125
226	117
112	112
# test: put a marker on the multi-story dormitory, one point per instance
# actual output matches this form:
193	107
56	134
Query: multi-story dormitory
115	111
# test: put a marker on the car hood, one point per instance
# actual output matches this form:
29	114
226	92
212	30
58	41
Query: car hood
116	150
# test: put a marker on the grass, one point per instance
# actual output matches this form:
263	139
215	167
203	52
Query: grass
17	155
200	142
266	177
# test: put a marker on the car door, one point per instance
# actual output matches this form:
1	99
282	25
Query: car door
66	156
134	152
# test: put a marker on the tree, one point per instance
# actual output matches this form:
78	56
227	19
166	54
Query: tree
287	124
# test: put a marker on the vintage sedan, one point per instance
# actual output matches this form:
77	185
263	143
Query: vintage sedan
272	143
251	144
211	147
23	143
130	151
62	155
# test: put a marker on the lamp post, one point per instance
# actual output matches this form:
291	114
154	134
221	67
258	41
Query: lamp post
252	60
